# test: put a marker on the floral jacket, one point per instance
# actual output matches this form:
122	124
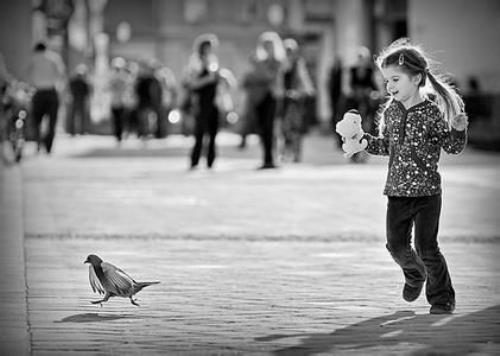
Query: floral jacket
413	140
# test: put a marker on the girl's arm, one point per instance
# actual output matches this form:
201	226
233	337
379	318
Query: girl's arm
377	145
450	139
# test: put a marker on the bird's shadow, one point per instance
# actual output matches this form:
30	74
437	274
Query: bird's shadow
94	317
456	334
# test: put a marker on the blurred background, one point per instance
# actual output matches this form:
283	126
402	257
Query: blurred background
460	34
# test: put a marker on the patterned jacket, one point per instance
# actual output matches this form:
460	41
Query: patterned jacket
413	140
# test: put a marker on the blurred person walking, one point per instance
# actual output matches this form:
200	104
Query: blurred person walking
336	94
204	77
46	72
253	92
168	84
118	85
5	78
361	94
79	112
298	86
149	101
267	64
362	87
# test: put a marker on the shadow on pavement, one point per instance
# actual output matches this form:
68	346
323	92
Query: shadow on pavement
93	317
161	152
431	334
132	152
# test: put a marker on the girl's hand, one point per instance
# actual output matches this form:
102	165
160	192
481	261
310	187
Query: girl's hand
460	122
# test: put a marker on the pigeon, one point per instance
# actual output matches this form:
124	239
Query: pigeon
111	281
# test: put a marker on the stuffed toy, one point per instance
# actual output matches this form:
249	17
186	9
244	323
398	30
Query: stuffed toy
350	130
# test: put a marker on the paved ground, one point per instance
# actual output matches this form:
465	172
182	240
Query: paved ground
289	261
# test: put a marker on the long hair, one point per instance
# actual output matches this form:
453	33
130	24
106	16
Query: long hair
412	60
206	39
278	48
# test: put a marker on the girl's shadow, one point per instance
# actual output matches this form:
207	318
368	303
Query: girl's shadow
455	334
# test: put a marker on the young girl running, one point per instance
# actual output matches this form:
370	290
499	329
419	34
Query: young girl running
412	130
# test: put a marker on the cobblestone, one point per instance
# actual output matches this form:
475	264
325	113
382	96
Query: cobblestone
289	261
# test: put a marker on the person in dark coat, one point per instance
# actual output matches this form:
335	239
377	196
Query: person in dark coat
267	67
149	97
79	115
204	79
335	91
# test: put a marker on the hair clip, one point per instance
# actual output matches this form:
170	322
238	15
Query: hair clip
401	59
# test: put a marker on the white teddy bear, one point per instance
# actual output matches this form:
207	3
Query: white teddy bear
352	133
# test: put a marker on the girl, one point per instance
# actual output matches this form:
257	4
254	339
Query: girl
412	130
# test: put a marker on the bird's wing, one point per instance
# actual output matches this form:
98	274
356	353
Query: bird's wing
94	281
117	281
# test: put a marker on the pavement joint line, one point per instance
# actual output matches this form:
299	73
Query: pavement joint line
334	238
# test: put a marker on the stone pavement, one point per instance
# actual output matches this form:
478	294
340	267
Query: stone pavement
14	337
289	261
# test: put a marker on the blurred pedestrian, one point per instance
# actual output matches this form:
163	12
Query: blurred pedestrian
267	64
79	112
5	78
46	71
118	83
362	84
204	76
361	89
412	131
335	93
254	91
297	86
477	102
149	102
168	84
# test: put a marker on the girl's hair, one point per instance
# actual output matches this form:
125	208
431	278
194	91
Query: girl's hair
278	48
412	60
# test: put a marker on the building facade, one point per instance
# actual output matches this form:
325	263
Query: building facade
462	35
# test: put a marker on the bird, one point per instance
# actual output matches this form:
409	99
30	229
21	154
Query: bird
111	281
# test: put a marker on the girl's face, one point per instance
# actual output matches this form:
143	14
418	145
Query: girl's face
402	86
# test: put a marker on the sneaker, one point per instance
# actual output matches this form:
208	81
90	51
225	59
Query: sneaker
446	308
411	293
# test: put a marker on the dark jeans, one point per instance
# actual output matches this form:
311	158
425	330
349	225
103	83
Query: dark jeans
45	102
422	212
139	117
79	120
206	122
118	121
292	127
266	111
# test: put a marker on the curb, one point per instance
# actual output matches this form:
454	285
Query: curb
14	323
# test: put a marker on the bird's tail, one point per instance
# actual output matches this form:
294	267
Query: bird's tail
141	285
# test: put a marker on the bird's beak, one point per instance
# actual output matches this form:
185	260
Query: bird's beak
86	261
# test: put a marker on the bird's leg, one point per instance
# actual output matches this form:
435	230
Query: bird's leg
134	302
105	299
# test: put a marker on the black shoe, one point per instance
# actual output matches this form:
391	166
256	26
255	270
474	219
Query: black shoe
268	166
446	308
411	293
